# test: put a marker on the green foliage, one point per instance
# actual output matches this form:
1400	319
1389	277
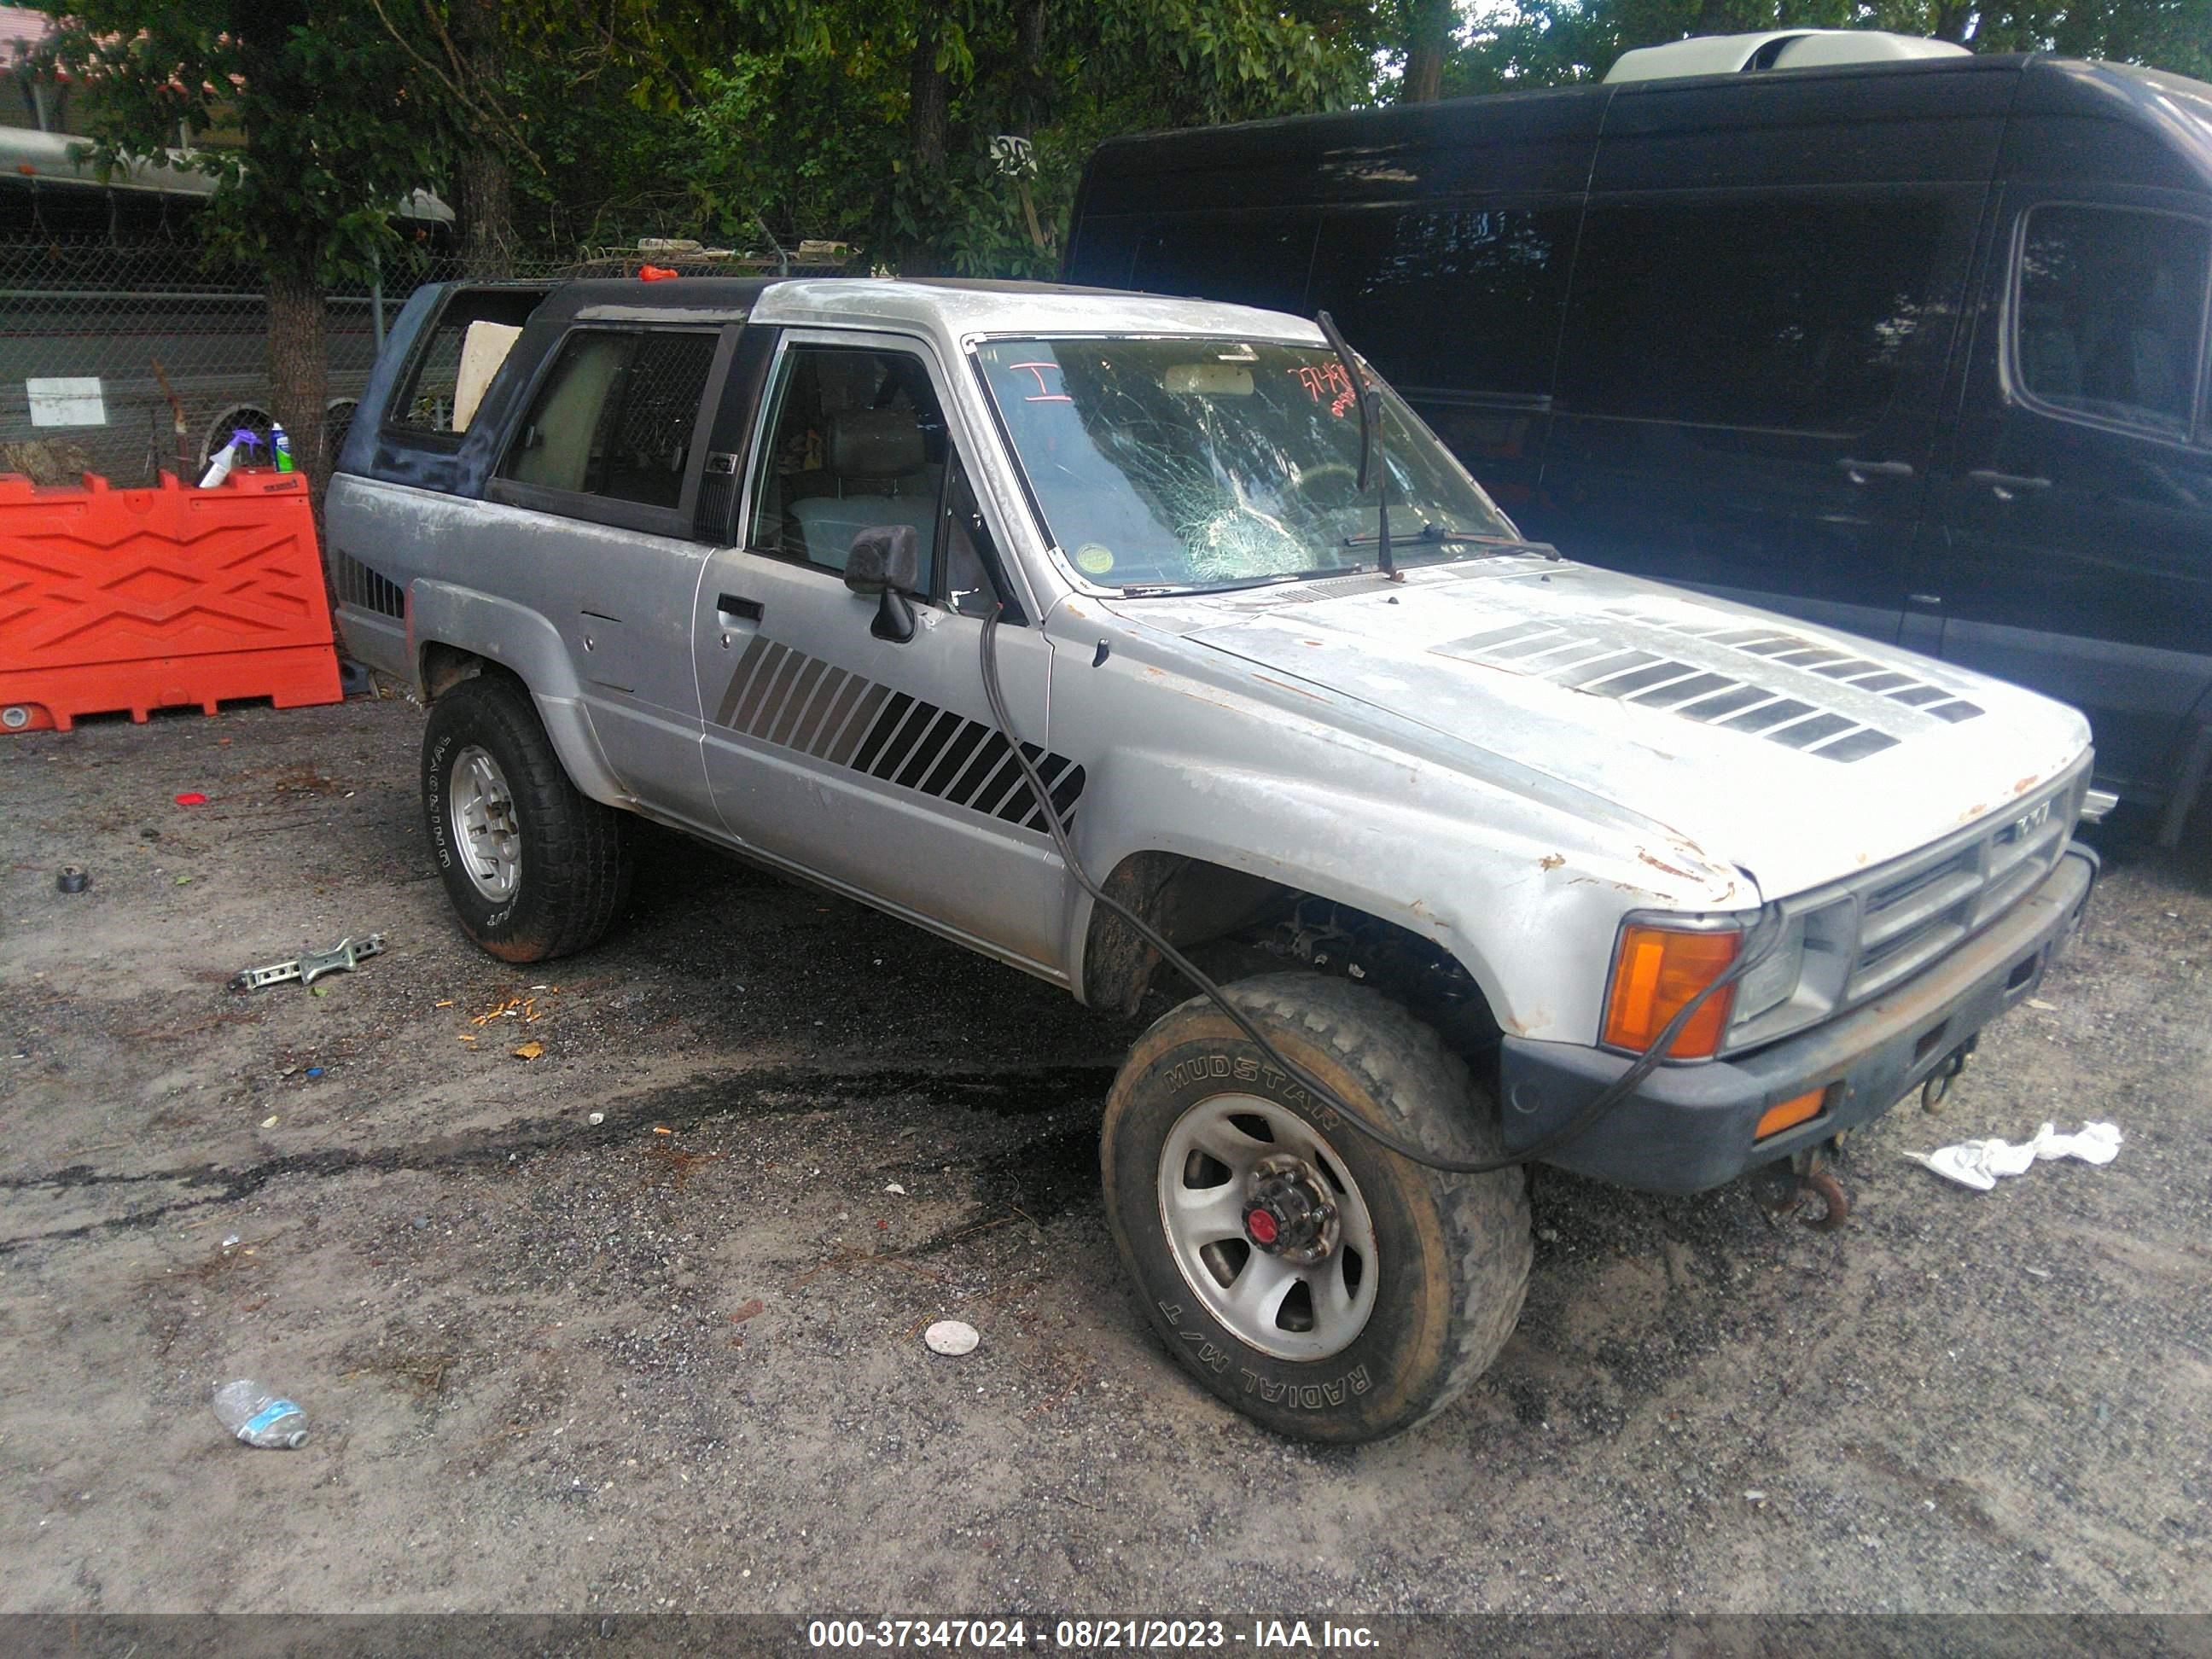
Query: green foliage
812	136
1530	43
337	131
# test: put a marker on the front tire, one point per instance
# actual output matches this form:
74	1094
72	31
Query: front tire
1325	1287
535	868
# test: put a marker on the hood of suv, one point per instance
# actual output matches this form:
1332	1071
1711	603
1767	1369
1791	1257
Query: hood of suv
1800	756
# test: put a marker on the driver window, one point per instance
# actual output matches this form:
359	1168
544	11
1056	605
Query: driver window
859	440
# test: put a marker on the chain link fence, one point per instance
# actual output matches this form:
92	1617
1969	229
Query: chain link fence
128	361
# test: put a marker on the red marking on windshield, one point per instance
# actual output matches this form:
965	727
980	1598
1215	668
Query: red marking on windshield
1044	393
1318	378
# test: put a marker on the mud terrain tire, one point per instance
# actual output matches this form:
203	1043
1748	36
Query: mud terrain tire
1451	1253
568	879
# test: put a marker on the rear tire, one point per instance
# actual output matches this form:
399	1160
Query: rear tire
535	868
1414	1278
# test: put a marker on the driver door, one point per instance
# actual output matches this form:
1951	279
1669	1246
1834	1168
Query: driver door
871	764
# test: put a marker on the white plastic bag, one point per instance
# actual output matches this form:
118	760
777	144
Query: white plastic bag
1981	1163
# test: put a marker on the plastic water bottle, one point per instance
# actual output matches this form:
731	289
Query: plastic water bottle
280	446
260	1417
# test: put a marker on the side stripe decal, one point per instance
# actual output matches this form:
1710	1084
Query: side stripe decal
789	700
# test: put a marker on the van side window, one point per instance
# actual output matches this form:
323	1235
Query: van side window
2108	313
1462	299
615	417
859	440
1797	313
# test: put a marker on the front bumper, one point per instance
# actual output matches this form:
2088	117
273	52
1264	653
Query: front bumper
1689	1127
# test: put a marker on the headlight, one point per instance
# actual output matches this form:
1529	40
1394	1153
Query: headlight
1773	979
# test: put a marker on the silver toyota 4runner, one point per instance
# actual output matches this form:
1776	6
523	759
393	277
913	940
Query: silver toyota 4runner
1481	857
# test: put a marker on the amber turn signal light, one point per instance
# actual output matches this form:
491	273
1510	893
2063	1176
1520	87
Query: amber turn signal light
1790	1113
1656	973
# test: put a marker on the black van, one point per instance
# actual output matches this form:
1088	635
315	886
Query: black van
1916	350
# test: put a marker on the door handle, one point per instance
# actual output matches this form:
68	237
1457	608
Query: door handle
1860	471
2006	485
745	609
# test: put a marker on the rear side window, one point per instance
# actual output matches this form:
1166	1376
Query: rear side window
2108	313
615	417
1792	313
427	403
1463	299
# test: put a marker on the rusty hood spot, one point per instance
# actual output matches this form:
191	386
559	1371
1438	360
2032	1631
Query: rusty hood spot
1662	864
1551	860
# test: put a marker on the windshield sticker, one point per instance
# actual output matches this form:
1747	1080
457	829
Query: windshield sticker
1317	378
1044	393
1093	560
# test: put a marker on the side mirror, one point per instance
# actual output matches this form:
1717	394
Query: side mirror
886	559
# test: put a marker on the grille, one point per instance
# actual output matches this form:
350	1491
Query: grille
1916	910
1709	683
1859	939
369	590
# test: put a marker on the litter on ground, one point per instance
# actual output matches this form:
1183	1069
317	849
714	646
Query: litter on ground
1979	1164
951	1336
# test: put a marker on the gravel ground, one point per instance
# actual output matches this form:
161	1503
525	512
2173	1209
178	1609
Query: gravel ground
672	1359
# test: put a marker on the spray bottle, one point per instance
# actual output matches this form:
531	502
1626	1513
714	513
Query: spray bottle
219	466
280	446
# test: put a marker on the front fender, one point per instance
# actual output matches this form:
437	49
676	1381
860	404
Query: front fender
1518	894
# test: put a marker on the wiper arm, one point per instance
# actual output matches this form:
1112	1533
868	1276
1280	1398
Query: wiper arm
1370	442
1163	590
1436	534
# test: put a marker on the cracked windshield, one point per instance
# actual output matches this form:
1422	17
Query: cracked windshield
1192	462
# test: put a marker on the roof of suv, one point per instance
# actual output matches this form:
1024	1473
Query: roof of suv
969	309
960	308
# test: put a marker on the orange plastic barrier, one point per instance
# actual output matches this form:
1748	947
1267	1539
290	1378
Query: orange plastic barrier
151	598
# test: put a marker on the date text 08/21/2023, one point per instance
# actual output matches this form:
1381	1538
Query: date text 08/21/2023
1085	1635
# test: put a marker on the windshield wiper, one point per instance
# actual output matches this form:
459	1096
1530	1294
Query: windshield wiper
1438	534
1370	442
1238	584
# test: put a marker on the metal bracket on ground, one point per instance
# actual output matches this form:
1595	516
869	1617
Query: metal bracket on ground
341	957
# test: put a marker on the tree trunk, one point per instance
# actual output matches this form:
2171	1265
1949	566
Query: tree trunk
484	186
299	370
1033	87
483	180
925	152
1429	27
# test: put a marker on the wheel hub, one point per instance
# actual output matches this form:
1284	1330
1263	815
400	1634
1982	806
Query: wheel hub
1268	1226
486	834
1288	1211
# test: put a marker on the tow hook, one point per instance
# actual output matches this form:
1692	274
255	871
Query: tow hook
1938	1085
1780	1186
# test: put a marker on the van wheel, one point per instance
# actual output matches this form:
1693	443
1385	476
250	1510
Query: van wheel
534	868
1327	1288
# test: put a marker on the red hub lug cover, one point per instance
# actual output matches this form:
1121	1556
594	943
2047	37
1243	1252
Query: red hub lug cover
1260	1223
